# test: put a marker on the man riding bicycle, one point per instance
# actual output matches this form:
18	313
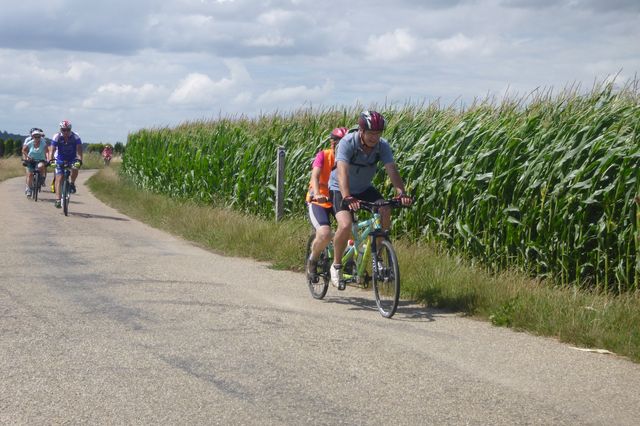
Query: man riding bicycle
67	147
34	154
357	161
318	205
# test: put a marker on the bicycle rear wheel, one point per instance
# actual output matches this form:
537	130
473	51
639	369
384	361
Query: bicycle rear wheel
318	286
65	196
386	279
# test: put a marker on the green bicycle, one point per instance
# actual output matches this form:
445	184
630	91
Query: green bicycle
365	260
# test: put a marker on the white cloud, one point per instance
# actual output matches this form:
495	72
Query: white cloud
200	89
456	44
297	95
112	95
270	41
276	17
22	105
391	46
78	68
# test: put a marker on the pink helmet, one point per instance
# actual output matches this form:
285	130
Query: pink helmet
338	133
371	120
65	125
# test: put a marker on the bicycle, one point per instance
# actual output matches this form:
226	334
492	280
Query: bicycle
37	179
361	256
65	185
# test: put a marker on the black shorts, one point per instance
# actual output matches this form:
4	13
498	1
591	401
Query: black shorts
370	194
318	215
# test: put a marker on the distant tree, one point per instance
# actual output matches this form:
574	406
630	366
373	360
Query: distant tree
17	148
118	148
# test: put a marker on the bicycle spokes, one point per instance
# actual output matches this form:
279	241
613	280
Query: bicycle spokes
386	279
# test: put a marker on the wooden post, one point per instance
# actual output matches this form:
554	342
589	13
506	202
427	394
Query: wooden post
280	184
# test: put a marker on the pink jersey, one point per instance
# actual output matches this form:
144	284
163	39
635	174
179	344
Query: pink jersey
319	160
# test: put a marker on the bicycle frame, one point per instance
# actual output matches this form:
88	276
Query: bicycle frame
360	251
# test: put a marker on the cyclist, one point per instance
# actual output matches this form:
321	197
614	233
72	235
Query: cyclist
357	161
318	204
29	139
34	149
107	153
67	146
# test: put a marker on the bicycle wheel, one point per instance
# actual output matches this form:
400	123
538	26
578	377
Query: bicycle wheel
318	286
35	186
65	196
386	279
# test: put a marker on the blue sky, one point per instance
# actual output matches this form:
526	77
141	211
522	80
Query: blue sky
113	67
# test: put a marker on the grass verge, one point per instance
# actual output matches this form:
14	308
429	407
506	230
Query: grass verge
510	299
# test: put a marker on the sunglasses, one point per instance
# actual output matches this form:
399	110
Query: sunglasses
36	137
65	130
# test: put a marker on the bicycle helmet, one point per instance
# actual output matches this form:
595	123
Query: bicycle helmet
371	120
338	133
34	129
65	125
36	132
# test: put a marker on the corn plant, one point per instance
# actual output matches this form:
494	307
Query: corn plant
548	185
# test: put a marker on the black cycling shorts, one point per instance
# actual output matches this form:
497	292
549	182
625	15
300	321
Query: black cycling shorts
370	194
318	215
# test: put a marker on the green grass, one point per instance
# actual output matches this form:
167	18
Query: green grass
11	167
575	316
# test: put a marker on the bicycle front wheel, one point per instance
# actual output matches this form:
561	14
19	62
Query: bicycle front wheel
35	186
319	284
386	279
65	196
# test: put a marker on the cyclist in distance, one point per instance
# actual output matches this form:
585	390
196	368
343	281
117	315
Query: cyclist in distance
67	147
107	153
318	205
34	149
357	159
29	139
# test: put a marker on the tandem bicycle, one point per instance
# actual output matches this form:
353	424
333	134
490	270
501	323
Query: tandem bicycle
368	258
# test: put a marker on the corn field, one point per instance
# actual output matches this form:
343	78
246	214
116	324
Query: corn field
547	184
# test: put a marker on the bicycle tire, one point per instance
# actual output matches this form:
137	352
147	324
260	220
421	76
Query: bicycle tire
35	186
386	279
65	196
318	288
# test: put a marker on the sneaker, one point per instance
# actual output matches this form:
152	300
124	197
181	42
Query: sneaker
29	193
312	270
58	204
336	277
72	188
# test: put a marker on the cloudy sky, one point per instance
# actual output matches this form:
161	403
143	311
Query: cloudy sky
113	67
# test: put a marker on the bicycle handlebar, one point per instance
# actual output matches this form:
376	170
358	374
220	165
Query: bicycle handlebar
375	206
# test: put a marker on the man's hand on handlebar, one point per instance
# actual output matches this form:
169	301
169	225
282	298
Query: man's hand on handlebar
352	202
405	200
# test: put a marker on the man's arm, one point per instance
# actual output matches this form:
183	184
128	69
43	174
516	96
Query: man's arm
394	175
79	151
343	178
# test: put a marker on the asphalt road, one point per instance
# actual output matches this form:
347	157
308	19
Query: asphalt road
105	320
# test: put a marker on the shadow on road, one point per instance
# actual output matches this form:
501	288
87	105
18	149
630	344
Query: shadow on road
97	216
407	310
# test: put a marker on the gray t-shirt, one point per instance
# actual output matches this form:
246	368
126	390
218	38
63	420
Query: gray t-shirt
362	166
